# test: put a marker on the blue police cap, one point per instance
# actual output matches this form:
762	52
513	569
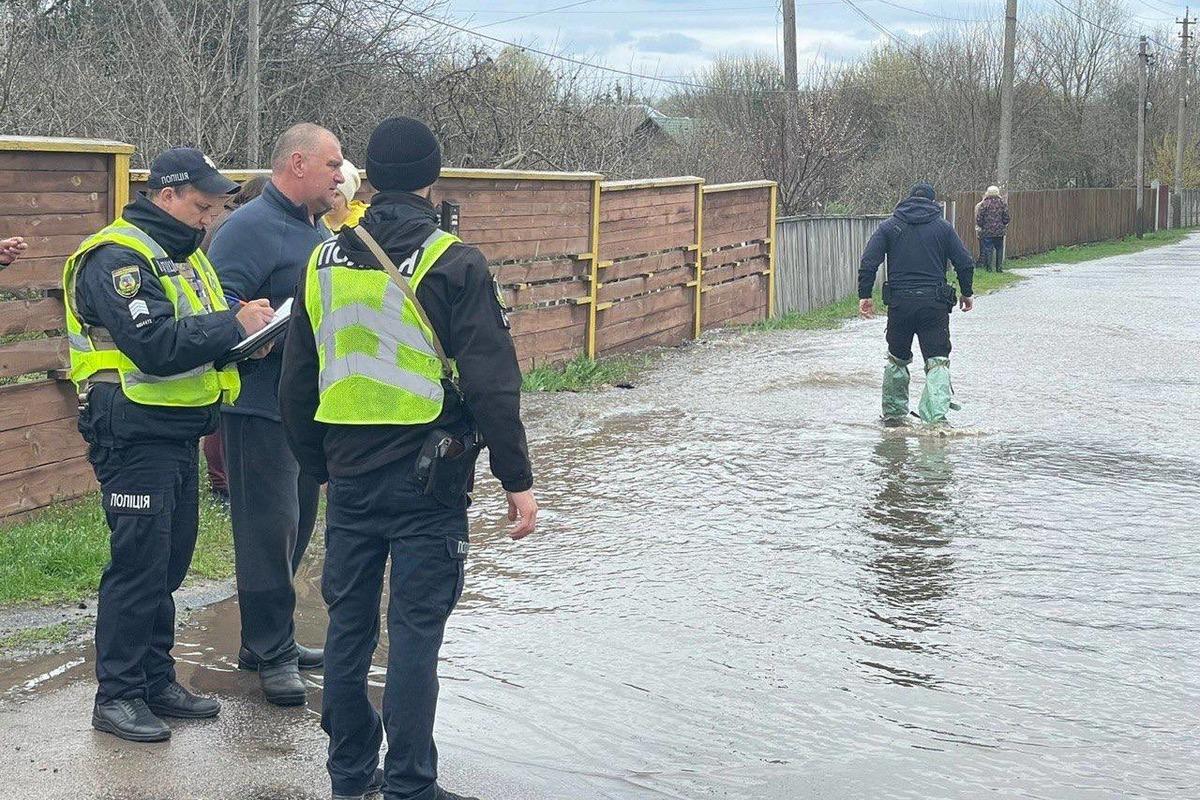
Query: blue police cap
181	166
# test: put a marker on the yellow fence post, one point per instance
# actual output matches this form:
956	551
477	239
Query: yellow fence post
120	186
595	270
699	258
771	253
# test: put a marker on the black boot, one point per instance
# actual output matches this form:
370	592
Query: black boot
282	685
373	788
129	719
310	658
441	794
175	701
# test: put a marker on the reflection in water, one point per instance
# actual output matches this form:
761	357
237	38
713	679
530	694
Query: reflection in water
912	516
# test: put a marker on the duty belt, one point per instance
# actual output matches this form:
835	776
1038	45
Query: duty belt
924	291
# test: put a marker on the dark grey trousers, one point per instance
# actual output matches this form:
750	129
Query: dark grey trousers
273	508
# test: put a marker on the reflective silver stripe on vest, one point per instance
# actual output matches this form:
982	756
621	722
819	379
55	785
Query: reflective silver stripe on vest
133	377
79	342
388	324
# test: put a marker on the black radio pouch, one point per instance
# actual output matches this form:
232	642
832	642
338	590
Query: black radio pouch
887	293
445	468
947	295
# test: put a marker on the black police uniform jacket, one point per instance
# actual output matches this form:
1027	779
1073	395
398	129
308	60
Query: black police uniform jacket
460	297
144	328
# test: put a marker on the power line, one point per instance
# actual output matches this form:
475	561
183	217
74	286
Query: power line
538	13
874	23
547	54
581	63
655	12
929	13
1100	27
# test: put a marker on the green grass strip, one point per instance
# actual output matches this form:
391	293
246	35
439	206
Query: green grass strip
585	374
1089	252
58	554
44	634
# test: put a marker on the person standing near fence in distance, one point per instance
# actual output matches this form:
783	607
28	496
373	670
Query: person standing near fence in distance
991	223
145	318
398	367
917	242
11	249
260	252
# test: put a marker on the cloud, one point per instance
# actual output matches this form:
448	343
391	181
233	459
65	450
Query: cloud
669	43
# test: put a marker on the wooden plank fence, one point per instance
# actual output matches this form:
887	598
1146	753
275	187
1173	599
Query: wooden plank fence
819	256
589	267
1044	220
54	192
1189	204
818	260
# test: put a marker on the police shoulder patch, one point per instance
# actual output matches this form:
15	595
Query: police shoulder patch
127	280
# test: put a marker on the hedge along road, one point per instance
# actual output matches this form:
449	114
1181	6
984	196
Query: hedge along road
743	587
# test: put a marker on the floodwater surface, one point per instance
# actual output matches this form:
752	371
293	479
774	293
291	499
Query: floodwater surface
743	587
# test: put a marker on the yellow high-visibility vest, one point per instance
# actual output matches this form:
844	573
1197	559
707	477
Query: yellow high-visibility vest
378	365
93	350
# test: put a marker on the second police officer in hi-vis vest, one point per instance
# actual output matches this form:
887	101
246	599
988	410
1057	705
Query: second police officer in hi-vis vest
146	318
398	366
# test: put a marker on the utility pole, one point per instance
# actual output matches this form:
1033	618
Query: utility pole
1143	60
790	80
253	115
1181	125
1004	156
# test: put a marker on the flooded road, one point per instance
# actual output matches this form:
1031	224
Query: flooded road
744	588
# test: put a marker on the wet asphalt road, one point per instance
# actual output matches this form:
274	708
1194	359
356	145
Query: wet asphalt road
744	588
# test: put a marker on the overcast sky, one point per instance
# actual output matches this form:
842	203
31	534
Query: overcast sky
675	37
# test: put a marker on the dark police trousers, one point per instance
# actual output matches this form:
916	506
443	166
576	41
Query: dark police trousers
150	496
370	518
273	508
919	313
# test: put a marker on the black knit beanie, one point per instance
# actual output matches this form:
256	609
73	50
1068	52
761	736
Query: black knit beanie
918	190
403	155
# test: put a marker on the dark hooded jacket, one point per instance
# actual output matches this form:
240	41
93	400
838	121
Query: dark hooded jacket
917	242
460	297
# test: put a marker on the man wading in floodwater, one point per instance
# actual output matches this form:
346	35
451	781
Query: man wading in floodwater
917	242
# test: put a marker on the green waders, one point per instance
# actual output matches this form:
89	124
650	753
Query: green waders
938	398
895	389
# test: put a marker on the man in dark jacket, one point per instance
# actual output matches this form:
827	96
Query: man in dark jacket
369	400
260	252
917	242
991	223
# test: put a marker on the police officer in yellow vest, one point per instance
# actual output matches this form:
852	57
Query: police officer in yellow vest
146	318
398	362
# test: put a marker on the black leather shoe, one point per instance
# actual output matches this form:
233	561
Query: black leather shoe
176	701
373	788
282	685
129	719
310	658
441	794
